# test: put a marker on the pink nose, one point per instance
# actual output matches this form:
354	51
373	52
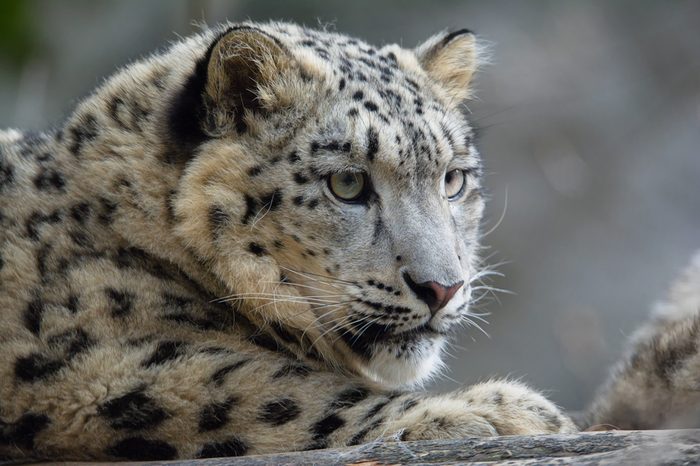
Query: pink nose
435	295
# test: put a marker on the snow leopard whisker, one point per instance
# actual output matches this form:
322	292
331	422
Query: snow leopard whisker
341	323
301	285
259	217
348	327
474	316
492	289
471	323
262	295
334	307
280	299
277	301
312	325
364	328
501	218
327	277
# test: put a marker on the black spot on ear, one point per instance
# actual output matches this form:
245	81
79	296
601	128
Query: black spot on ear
234	446
372	143
133	411
279	412
187	111
35	367
141	449
23	431
215	415
165	352
453	35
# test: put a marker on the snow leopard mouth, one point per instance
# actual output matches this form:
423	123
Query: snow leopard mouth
364	340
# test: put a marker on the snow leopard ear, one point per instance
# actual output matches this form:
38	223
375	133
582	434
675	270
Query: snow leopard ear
240	64
226	84
451	58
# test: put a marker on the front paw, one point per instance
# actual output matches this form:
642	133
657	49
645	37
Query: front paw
513	408
442	417
484	410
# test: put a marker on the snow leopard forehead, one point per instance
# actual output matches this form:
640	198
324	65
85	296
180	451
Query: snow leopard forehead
366	104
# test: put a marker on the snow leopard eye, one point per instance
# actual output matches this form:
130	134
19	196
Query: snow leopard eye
348	186
455	181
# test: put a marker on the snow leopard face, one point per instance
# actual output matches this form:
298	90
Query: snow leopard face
341	180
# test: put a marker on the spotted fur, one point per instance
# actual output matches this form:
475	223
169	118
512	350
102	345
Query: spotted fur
657	384
177	281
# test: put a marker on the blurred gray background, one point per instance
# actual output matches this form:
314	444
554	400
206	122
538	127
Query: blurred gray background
590	122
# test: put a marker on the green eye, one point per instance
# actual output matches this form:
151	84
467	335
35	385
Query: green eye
454	184
348	186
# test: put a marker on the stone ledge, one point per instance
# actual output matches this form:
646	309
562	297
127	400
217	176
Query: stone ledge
665	447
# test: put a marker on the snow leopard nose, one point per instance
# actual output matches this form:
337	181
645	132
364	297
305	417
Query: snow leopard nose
434	294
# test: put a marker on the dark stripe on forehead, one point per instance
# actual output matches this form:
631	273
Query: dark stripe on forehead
372	143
